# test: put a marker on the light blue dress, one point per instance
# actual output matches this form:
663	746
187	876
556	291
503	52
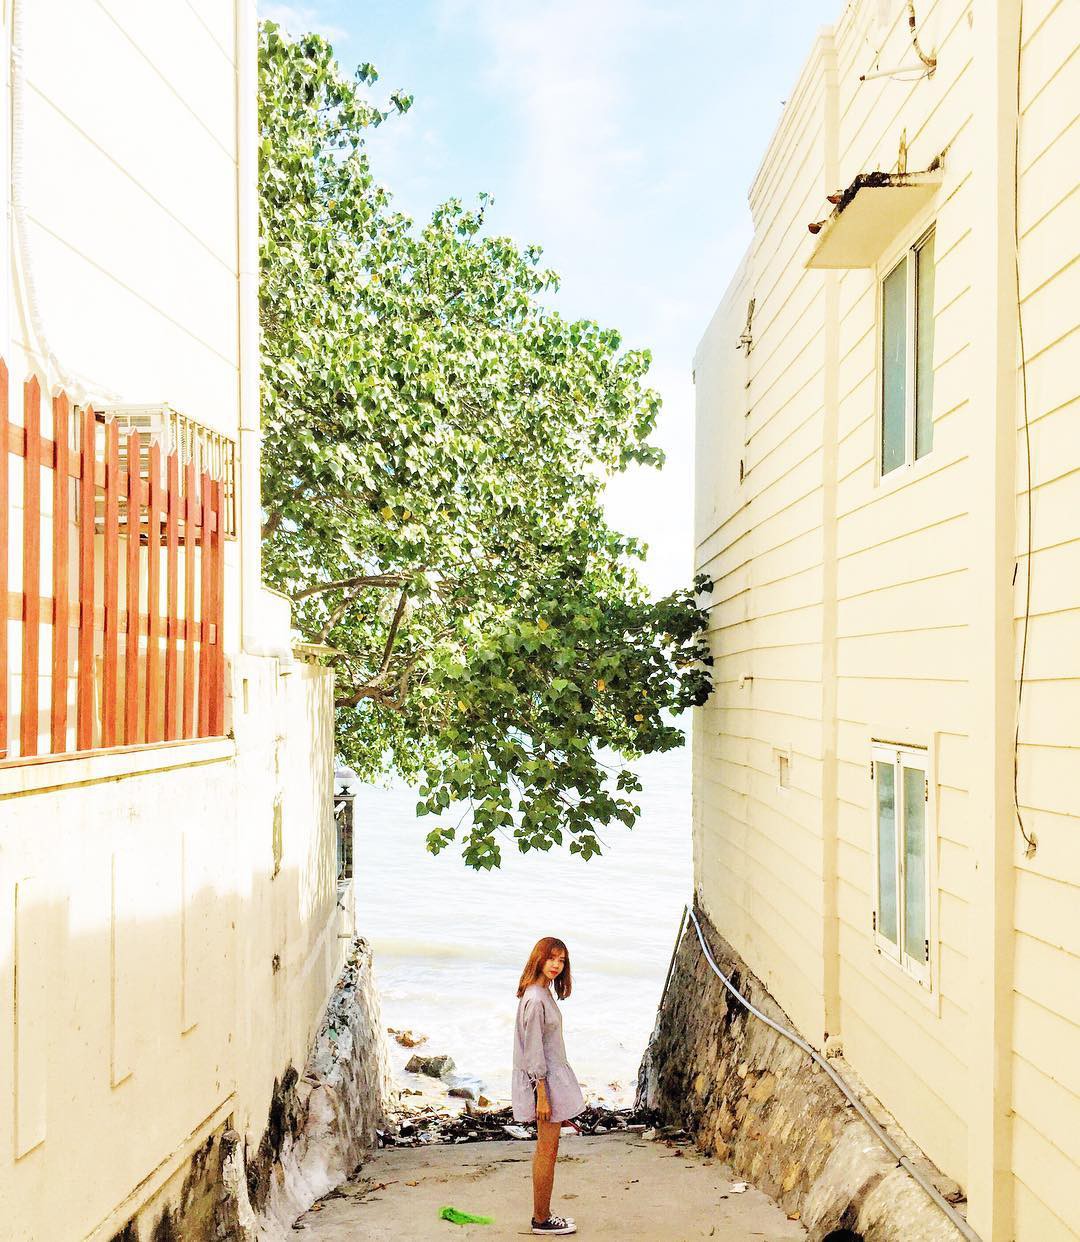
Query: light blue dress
539	1052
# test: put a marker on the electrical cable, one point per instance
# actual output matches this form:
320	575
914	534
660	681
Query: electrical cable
1030	840
918	1176
929	61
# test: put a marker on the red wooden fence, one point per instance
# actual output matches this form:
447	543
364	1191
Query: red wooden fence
140	668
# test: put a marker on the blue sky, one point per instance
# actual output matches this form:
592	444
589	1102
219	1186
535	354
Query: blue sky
621	135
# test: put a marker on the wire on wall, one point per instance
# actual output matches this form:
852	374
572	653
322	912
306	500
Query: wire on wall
929	61
1030	840
904	73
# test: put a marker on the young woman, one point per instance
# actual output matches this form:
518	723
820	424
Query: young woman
545	1088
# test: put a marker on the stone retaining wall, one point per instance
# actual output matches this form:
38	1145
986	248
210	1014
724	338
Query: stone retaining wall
756	1101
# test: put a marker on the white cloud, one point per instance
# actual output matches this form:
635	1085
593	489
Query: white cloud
299	19
560	67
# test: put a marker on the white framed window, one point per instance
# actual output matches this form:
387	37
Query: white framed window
907	358
901	916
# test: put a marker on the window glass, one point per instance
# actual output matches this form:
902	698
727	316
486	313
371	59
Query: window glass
924	347
915	932
893	368
885	782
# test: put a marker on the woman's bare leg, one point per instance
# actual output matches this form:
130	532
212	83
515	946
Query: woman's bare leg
547	1150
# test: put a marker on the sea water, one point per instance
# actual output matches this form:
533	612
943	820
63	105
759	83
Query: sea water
450	943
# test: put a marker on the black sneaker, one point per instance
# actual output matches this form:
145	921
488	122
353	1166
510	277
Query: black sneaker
554	1225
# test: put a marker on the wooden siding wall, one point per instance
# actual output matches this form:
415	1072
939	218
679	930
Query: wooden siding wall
896	566
1046	1018
902	593
759	852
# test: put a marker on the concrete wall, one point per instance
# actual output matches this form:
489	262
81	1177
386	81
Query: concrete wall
170	922
170	935
851	607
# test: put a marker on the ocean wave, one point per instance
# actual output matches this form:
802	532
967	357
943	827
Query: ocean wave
483	954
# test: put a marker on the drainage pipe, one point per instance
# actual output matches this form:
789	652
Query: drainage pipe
253	627
876	1129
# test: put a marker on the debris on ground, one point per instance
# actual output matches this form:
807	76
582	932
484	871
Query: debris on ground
406	1038
413	1125
457	1217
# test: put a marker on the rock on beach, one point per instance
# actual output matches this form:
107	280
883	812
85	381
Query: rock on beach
433	1067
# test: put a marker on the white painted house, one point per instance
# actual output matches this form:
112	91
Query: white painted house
888	499
171	922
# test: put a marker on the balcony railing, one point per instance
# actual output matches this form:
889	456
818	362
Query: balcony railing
114	580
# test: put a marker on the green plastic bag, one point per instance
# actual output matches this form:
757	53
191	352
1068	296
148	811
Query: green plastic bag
456	1217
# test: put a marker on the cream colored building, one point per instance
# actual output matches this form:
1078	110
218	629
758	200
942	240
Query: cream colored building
171	923
868	453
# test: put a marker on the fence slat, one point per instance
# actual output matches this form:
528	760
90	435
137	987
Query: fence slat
165	694
61	518
31	579
153	598
3	560
111	656
131	639
190	543
206	653
172	689
84	708
217	693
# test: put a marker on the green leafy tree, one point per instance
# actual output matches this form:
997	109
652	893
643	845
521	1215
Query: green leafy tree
437	440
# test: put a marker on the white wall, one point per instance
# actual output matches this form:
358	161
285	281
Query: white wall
850	607
129	193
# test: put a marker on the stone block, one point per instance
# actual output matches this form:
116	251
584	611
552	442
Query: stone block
762	1089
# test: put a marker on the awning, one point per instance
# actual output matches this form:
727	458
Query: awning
868	215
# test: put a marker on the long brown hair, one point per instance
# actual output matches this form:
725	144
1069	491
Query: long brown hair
534	967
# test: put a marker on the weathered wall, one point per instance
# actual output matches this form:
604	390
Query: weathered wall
325	1118
321	1122
756	1101
170	930
902	589
851	607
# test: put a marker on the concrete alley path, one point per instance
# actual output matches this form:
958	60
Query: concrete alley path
615	1186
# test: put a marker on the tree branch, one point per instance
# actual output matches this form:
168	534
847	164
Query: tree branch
273	522
391	638
364	580
333	619
383	695
372	689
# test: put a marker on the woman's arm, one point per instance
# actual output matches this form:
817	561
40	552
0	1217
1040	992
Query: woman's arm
543	1104
535	1061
